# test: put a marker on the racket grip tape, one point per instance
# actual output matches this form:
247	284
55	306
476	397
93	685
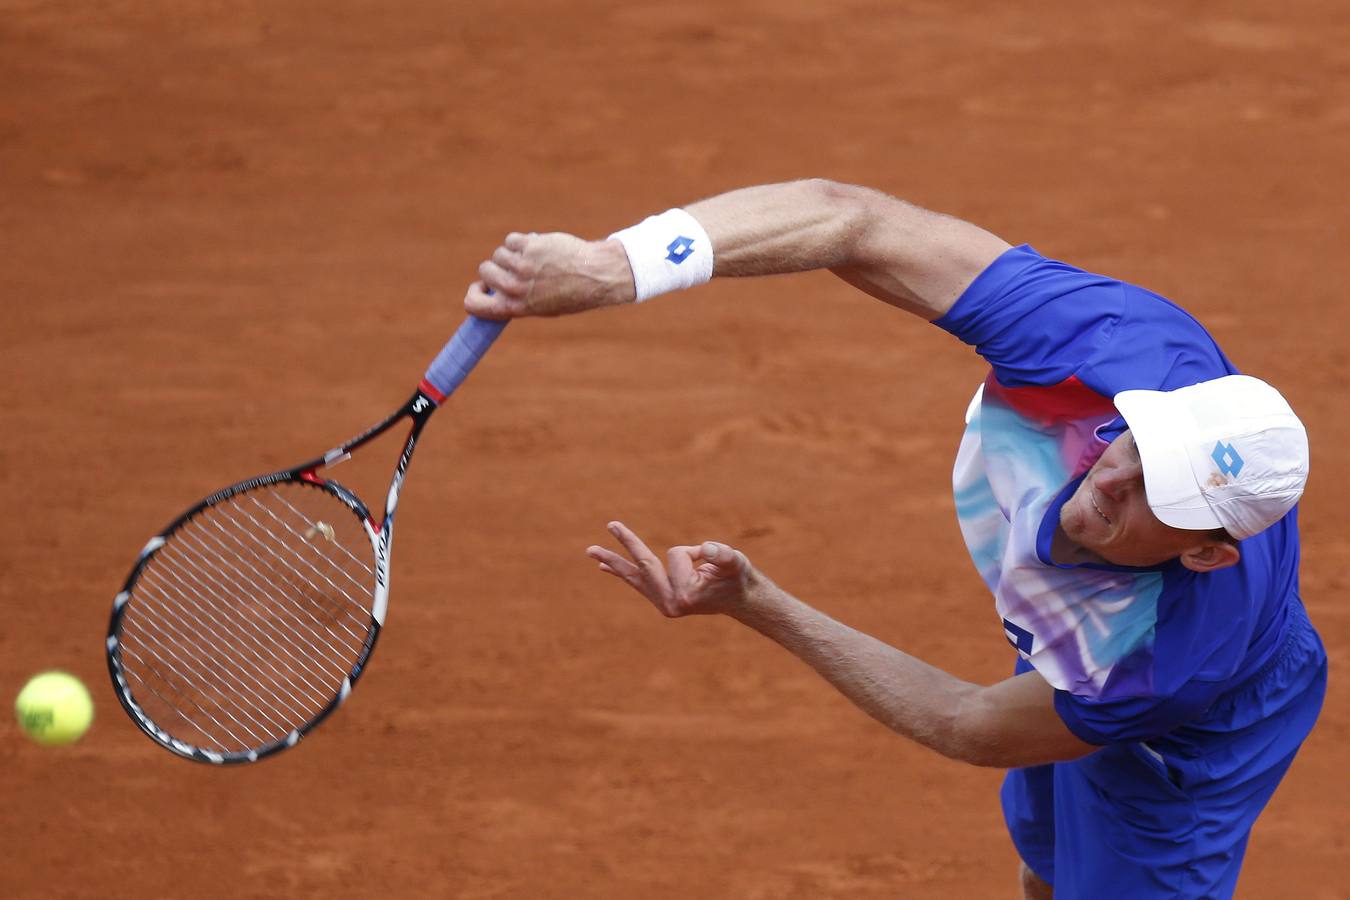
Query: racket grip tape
457	358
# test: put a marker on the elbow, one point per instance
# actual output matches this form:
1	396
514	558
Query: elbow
985	756
838	192
969	739
853	216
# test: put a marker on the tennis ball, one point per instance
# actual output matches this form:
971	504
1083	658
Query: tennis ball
54	708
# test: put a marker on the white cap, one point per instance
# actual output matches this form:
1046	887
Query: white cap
1227	453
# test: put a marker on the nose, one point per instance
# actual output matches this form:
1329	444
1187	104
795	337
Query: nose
1118	481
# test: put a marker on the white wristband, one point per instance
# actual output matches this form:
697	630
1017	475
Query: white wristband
669	252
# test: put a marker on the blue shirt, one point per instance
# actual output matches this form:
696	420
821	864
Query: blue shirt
1133	653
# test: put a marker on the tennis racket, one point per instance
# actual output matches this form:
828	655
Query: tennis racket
247	621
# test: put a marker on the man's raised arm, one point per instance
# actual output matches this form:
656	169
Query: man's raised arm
909	257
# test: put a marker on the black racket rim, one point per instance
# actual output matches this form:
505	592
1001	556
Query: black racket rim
303	475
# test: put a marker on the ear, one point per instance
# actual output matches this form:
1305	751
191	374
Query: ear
1211	556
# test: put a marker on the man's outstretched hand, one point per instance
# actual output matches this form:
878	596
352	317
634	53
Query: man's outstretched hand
704	579
549	275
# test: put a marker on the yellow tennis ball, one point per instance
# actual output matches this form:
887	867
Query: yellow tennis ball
54	708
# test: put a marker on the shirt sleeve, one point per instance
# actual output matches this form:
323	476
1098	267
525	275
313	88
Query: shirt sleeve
1038	322
1117	721
1139	717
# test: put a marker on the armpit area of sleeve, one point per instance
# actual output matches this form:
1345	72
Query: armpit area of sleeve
965	319
1080	729
1118	721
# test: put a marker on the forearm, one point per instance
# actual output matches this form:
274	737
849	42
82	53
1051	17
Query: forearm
1012	723
776	229
903	693
909	257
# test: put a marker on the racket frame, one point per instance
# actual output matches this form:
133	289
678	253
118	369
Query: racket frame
418	409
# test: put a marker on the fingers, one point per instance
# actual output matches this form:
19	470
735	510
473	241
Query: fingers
727	560
644	572
508	259
697	579
508	264
612	562
504	281
488	303
680	566
641	553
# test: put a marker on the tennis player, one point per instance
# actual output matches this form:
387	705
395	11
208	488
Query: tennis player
1128	497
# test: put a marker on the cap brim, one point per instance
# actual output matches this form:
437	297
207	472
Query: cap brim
1160	426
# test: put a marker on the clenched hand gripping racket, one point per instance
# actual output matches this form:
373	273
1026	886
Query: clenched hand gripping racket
246	622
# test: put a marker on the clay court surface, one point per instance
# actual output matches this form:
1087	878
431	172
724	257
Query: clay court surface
231	234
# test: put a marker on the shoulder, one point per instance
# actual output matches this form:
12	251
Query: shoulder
1017	284
1157	345
1039	321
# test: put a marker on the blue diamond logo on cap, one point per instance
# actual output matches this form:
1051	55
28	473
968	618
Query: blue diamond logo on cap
1228	460
679	250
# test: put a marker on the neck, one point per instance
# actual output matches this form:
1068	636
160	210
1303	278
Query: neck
1066	552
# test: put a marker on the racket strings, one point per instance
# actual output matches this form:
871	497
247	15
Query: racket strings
198	736
288	639
233	548
239	681
252	663
295	634
244	626
351	557
308	542
231	676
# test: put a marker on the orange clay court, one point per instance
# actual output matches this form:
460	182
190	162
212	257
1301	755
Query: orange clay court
233	234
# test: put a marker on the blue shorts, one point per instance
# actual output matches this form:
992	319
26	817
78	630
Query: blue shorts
1170	817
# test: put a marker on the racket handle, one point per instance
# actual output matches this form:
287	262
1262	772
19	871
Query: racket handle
457	358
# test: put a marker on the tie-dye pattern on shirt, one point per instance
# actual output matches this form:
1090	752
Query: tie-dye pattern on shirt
1021	447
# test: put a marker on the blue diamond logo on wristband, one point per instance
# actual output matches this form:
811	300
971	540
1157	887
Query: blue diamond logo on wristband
679	249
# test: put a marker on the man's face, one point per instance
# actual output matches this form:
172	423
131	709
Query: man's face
1109	514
